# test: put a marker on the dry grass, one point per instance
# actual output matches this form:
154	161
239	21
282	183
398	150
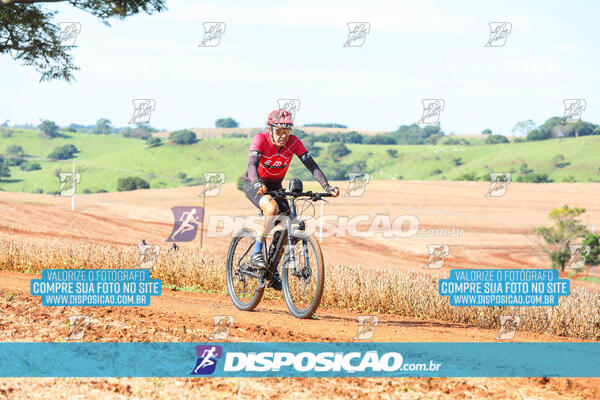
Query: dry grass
384	291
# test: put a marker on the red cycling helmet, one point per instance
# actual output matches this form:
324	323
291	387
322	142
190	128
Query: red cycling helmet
281	118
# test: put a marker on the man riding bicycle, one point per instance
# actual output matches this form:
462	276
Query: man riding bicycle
271	152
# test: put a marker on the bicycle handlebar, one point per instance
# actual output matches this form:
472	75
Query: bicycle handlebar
313	195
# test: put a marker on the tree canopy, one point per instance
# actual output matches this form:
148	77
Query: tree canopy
29	34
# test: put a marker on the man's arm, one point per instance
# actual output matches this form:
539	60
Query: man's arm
253	160
314	169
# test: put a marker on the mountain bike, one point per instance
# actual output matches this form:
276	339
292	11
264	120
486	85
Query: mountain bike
302	268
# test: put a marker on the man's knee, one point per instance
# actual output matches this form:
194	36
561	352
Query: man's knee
268	205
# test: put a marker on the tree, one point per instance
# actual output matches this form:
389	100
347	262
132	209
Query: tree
379	139
495	139
593	257
539	135
63	152
49	128
4	170
103	127
567	227
226	123
352	137
183	136
131	183
486	132
29	34
523	127
338	149
431	130
141	131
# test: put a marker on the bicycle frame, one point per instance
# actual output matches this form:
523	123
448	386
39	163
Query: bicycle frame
289	220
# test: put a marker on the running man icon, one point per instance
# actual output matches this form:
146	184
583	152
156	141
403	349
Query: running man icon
186	223
207	359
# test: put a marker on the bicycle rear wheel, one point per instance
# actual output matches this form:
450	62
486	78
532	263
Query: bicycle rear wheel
242	278
304	279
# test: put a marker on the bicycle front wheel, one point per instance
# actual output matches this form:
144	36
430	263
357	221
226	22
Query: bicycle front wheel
303	275
243	279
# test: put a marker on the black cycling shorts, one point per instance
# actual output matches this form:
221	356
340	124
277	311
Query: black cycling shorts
282	203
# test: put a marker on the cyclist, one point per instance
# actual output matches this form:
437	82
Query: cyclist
271	152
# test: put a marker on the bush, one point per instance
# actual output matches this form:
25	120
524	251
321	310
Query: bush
434	139
240	184
15	150
536	134
63	152
496	139
437	172
519	140
140	132
469	176
486	132
559	161
101	191
153	142
452	141
338	150
131	183
392	152
524	169
14	161
87	191
183	136
458	161
30	167
352	137
4	170
226	123
379	139
534	178
235	135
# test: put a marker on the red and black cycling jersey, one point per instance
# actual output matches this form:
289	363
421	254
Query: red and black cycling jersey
268	164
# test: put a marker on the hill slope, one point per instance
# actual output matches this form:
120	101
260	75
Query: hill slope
105	158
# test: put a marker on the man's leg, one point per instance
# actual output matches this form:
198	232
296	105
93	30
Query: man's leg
270	209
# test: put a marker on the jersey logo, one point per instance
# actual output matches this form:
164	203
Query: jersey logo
276	165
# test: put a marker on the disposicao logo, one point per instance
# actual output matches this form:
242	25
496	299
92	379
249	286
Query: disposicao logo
207	359
307	361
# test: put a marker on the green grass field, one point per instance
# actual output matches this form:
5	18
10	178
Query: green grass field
105	158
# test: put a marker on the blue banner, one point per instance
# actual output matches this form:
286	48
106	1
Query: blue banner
299	359
95	287
504	287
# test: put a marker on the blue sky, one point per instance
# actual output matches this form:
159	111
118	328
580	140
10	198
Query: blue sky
270	50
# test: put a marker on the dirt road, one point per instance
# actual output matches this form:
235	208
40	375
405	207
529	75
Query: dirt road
495	232
187	317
